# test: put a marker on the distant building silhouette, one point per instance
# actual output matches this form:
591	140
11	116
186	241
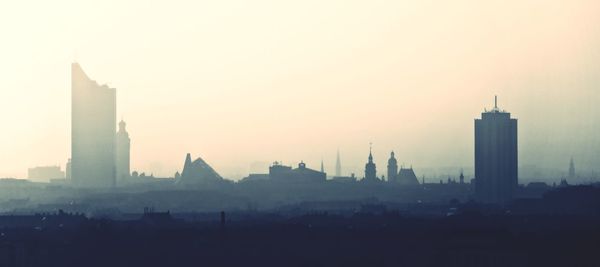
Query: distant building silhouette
338	165
407	176
392	168
404	176
370	169
197	171
93	123
571	169
496	170
345	179
322	167
256	177
123	153
45	173
278	172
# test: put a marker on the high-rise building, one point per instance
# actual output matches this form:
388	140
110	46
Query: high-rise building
392	168
496	156
93	123
338	165
123	153
370	168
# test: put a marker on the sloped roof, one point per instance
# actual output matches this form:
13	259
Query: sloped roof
407	177
197	171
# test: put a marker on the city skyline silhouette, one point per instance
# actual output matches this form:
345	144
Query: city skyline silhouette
351	169
374	72
300	133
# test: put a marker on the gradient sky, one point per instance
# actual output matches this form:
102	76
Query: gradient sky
245	83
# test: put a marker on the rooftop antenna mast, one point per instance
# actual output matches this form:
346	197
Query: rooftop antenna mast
496	102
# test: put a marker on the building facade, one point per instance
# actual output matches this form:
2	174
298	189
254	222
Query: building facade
302	174
93	123
496	156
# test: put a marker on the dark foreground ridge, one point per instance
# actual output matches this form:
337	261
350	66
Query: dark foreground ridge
473	236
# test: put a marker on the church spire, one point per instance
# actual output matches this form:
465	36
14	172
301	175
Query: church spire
370	169
338	165
370	153
187	164
571	168
322	167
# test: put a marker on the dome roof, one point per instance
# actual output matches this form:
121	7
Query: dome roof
392	160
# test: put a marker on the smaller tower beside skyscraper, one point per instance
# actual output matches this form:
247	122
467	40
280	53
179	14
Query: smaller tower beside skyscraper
68	170
123	153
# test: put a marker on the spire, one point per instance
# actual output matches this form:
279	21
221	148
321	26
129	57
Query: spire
322	168
188	163
572	163
571	168
338	165
370	169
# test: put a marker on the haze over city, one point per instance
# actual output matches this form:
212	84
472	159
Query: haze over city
246	83
300	133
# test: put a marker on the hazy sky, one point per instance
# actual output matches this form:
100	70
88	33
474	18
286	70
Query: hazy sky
244	82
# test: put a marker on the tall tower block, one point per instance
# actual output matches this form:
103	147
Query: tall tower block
496	156
93	127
